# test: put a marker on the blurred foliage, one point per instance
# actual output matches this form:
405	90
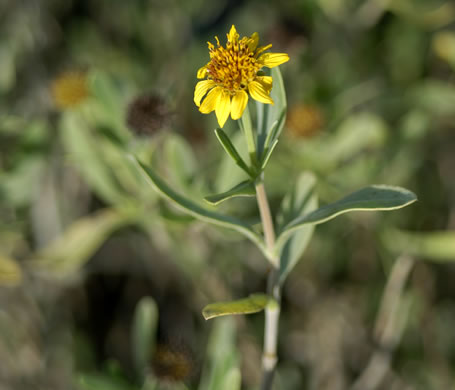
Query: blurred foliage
371	97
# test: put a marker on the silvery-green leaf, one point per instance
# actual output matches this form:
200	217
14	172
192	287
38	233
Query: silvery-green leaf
200	212
376	197
300	201
253	304
245	188
271	118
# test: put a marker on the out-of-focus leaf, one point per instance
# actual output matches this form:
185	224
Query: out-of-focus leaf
433	246
245	188
8	67
144	333
199	212
87	154
435	96
181	160
221	355
233	380
103	382
271	118
372	198
302	200
444	46
10	272
253	304
78	243
107	107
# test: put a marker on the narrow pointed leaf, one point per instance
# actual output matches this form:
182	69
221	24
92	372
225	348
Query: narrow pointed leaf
245	188
302	200
376	197
198	211
253	304
268	115
267	153
231	150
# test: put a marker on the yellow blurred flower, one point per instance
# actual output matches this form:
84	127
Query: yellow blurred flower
232	74
70	89
305	120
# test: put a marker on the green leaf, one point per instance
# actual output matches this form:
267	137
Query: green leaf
180	159
376	197
200	212
103	382
222	357
79	242
245	188
10	272
436	246
271	119
233	380
144	333
253	304
301	201
84	148
231	150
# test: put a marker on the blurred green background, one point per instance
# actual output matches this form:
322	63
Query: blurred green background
102	283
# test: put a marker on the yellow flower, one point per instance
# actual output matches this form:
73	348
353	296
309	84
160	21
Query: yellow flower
232	74
70	89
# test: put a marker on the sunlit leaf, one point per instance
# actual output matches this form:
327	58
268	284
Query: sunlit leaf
271	118
376	197
253	304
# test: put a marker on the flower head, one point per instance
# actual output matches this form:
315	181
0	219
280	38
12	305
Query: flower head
70	89
232	74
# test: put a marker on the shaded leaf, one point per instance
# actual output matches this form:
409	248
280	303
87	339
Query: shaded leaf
253	304
79	242
245	188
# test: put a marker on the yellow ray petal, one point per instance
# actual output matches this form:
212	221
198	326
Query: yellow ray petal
253	42
223	108
239	102
261	49
211	100
273	59
201	89
259	93
202	72
266	81
233	36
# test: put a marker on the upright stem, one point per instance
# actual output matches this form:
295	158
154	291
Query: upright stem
272	311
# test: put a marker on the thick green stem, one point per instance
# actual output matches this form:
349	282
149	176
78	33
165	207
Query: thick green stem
272	311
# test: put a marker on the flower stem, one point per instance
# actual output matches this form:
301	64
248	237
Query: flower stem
272	311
